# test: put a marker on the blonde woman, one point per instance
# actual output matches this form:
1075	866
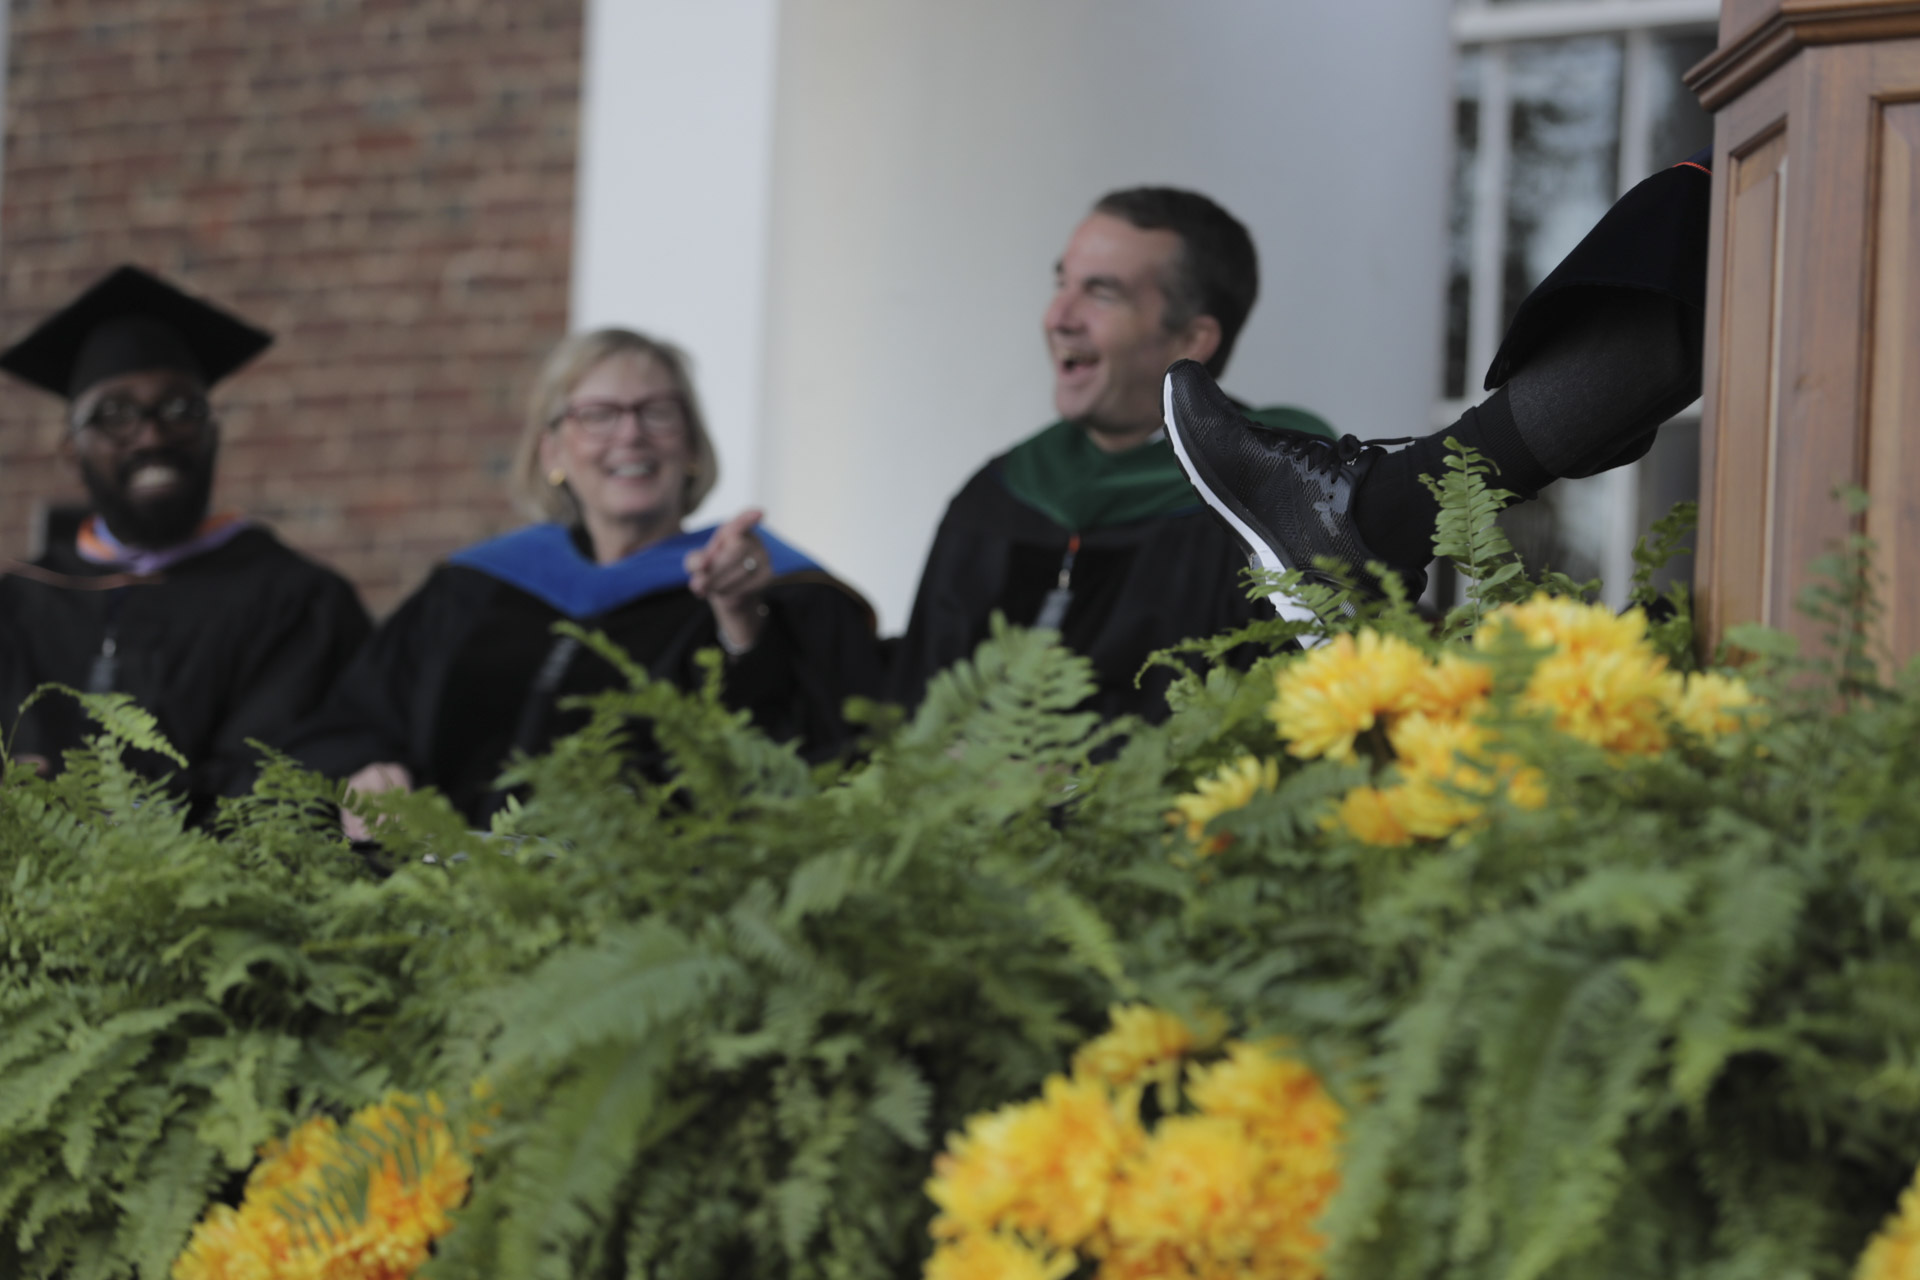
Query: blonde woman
615	459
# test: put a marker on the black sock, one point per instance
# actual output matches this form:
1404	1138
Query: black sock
1394	510
1591	396
1587	400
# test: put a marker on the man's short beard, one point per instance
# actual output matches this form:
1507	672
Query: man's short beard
161	522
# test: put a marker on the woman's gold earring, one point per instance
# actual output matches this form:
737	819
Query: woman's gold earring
557	477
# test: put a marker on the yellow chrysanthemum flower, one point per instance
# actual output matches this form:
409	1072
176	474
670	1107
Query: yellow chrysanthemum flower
1233	1193
1295	1125
1144	1045
1445	763
1366	813
1556	622
1526	786
1429	811
1227	788
275	1236
1276	1096
1195	1188
1447	770
310	1144
1443	749
995	1257
1044	1168
1440	775
1713	704
1454	686
1603	683
1163	1263
1894	1253
1331	695
1617	701
406	1214
256	1241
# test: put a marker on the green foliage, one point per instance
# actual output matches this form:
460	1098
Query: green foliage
1671	634
1467	534
1844	599
1669	1024
169	999
1636	1029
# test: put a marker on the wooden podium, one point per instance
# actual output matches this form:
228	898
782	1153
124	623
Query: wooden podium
1813	306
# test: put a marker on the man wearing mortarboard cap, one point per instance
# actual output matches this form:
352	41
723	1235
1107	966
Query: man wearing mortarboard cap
212	625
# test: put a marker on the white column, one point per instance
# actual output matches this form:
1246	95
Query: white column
1487	310
672	213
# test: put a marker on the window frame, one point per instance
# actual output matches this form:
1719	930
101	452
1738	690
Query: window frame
1493	27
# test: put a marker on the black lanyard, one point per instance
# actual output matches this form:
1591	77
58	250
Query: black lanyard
530	731
1053	609
105	670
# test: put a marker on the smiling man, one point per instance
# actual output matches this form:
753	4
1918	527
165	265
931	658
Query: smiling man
206	620
1089	527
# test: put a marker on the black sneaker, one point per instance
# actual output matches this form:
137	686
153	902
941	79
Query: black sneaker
1287	495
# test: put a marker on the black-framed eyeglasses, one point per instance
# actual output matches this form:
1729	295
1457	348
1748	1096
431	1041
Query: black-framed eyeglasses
119	417
658	417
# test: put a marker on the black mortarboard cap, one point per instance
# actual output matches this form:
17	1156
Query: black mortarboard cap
130	321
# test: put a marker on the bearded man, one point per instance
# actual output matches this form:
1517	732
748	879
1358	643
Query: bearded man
207	621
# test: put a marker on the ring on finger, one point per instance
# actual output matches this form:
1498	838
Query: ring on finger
748	564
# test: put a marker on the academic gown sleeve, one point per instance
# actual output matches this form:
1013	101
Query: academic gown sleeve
289	676
14	684
817	650
380	708
964	576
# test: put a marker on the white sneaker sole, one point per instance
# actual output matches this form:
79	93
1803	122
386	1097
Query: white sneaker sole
1285	603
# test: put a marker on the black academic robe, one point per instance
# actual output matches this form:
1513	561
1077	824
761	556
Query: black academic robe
1137	588
234	644
452	684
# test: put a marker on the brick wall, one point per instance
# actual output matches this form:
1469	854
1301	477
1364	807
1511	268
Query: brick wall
386	184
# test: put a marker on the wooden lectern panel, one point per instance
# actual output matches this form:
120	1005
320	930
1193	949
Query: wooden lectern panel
1747	441
1893	441
1813	313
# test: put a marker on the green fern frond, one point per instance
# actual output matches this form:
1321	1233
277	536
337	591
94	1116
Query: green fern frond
121	719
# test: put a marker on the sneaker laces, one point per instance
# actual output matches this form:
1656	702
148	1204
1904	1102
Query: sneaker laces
1325	457
1350	449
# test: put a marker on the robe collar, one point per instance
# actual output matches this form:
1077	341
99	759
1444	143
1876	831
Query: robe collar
543	561
97	545
1079	486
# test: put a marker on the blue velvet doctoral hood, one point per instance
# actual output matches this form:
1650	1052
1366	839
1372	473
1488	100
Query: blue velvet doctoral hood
543	561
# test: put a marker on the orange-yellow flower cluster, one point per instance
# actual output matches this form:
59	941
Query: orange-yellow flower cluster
1325	700
1144	1045
1232	1184
1894	1253
276	1233
1713	704
1598	680
1446	774
1227	788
